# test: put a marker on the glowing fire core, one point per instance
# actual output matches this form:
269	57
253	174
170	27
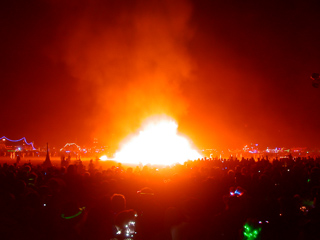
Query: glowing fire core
157	143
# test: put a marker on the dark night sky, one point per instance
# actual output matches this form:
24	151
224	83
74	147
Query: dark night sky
230	72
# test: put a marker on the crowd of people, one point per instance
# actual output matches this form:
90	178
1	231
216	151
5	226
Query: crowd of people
202	199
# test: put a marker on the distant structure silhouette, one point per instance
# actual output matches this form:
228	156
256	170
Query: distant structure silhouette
47	163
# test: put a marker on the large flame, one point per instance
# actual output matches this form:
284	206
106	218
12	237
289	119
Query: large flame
157	143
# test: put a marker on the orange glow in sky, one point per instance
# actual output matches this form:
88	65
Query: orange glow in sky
157	143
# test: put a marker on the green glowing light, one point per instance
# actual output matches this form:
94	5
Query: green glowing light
75	215
250	234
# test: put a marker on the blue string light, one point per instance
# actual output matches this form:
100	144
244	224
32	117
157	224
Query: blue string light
21	139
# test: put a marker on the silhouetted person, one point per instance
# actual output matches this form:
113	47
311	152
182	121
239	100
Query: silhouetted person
118	203
18	159
100	221
150	216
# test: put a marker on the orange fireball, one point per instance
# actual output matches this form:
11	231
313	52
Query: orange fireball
157	143
103	158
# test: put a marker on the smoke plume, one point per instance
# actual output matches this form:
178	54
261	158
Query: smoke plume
129	58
